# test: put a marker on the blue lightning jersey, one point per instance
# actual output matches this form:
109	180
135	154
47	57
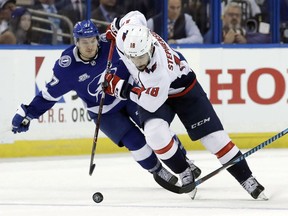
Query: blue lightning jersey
85	78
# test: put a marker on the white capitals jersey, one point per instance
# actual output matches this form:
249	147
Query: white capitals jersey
166	67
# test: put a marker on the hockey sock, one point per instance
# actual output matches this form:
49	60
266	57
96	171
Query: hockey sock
180	144
240	170
177	163
135	141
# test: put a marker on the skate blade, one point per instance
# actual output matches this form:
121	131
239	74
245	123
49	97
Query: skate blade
192	194
262	196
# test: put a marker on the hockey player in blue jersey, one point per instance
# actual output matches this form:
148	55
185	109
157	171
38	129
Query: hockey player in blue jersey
80	68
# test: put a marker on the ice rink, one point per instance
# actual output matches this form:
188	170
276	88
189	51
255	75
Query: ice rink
62	186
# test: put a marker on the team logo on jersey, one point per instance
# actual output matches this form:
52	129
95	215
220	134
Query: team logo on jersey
124	35
95	86
152	69
65	61
93	63
83	77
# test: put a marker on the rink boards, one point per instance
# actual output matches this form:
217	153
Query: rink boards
247	87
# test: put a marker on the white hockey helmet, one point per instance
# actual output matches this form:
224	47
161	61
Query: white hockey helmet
138	41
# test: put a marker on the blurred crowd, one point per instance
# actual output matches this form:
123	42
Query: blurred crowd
51	21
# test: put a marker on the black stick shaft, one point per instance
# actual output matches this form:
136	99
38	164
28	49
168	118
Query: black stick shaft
108	67
241	157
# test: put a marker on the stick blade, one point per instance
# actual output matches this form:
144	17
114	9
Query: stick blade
173	188
92	167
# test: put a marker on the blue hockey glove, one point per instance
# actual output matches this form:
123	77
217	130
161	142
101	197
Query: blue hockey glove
20	122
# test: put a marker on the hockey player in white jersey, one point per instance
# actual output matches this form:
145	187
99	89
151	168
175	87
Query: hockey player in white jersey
170	154
167	85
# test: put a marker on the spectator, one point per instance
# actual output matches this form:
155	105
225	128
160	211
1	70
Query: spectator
3	22
181	27
249	8
49	7
255	18
20	25
233	30
6	36
6	8
75	10
232	25
106	11
199	10
147	7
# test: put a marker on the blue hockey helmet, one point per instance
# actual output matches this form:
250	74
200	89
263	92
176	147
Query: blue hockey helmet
85	29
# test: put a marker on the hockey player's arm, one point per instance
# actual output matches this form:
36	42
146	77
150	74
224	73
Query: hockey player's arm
150	98
45	100
38	106
25	113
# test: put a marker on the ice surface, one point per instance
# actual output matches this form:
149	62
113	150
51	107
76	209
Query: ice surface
62	186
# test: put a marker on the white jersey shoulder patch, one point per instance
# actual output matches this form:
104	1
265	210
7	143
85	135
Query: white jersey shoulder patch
65	61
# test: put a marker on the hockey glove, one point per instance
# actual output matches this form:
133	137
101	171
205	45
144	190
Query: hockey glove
113	85
21	122
111	31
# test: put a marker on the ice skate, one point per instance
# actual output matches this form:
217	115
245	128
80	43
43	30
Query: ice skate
187	178
254	188
192	194
167	176
195	170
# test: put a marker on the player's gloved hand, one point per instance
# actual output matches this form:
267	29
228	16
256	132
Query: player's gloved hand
111	31
113	85
20	122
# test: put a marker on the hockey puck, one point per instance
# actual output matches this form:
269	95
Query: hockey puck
97	197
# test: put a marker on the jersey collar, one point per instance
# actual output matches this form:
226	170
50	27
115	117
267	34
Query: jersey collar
78	59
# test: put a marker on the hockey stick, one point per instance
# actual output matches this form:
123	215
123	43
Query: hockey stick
180	190
108	67
241	157
173	188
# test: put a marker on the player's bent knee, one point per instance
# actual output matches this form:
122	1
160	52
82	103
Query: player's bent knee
134	139
215	141
220	144
157	133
